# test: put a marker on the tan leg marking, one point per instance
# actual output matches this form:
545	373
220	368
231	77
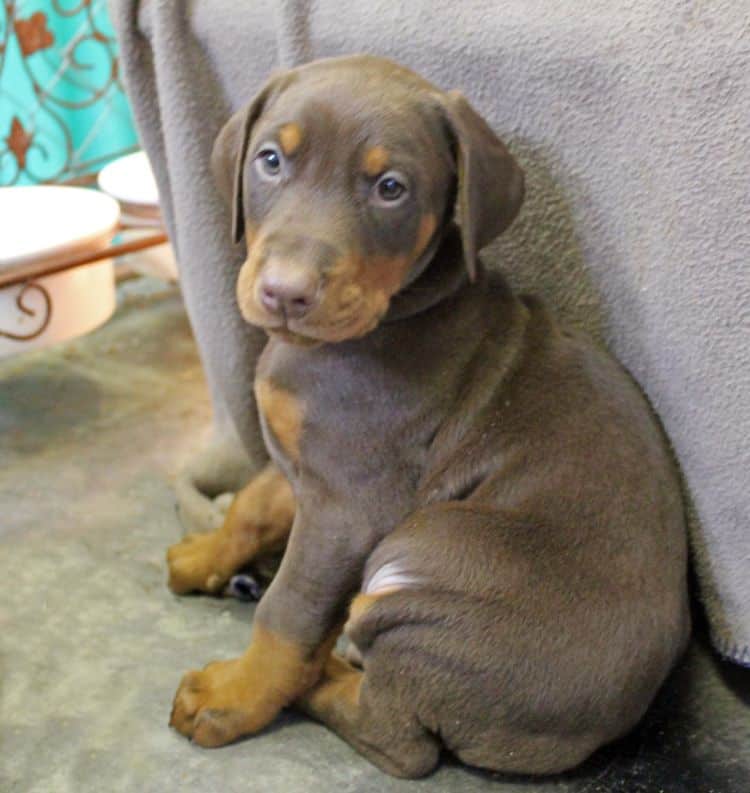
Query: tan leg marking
290	136
258	522
339	685
229	699
363	603
284	414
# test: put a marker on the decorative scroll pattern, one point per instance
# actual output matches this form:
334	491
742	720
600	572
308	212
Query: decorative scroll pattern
43	321
62	107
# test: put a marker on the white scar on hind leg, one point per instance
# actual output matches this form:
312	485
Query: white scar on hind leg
389	577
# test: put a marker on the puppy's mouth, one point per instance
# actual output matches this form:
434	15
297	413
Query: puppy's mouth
312	333
293	337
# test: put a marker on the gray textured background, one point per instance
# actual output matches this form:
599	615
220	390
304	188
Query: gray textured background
632	120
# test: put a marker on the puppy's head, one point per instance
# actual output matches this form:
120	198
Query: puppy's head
342	175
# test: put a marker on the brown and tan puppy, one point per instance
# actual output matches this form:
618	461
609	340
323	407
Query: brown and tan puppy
483	490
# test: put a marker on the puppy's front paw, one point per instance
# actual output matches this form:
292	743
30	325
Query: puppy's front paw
199	564
221	703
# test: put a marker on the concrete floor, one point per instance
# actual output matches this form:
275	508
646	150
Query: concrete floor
92	645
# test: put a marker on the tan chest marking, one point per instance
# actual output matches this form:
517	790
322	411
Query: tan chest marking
283	414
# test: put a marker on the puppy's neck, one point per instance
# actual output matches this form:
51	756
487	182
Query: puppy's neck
443	275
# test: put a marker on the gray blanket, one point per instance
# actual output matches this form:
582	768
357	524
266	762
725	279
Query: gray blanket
632	120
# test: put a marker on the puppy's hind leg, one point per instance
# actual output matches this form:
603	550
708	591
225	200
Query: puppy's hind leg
361	713
258	523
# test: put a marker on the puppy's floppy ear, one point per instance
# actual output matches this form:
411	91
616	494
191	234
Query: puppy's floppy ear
490	181
230	151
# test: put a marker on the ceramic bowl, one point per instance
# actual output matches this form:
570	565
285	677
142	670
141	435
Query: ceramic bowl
131	182
41	227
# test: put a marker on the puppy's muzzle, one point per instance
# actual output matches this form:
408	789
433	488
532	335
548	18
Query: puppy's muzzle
288	290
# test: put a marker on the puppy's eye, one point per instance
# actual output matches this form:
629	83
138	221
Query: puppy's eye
269	162
389	189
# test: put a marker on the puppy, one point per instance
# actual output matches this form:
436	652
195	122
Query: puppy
482	490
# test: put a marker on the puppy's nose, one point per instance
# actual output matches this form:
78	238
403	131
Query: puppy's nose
288	290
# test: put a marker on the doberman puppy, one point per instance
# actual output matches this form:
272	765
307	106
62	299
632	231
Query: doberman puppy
483	489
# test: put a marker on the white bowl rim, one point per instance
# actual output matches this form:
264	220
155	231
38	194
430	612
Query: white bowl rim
130	179
85	217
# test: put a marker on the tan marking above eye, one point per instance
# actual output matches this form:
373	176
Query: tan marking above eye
290	137
284	414
375	160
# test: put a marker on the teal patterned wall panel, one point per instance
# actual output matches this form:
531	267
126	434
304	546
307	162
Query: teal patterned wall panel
62	108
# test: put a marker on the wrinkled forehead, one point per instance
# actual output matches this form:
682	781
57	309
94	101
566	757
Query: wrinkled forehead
384	121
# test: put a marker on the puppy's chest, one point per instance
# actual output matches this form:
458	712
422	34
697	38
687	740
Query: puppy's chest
340	419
